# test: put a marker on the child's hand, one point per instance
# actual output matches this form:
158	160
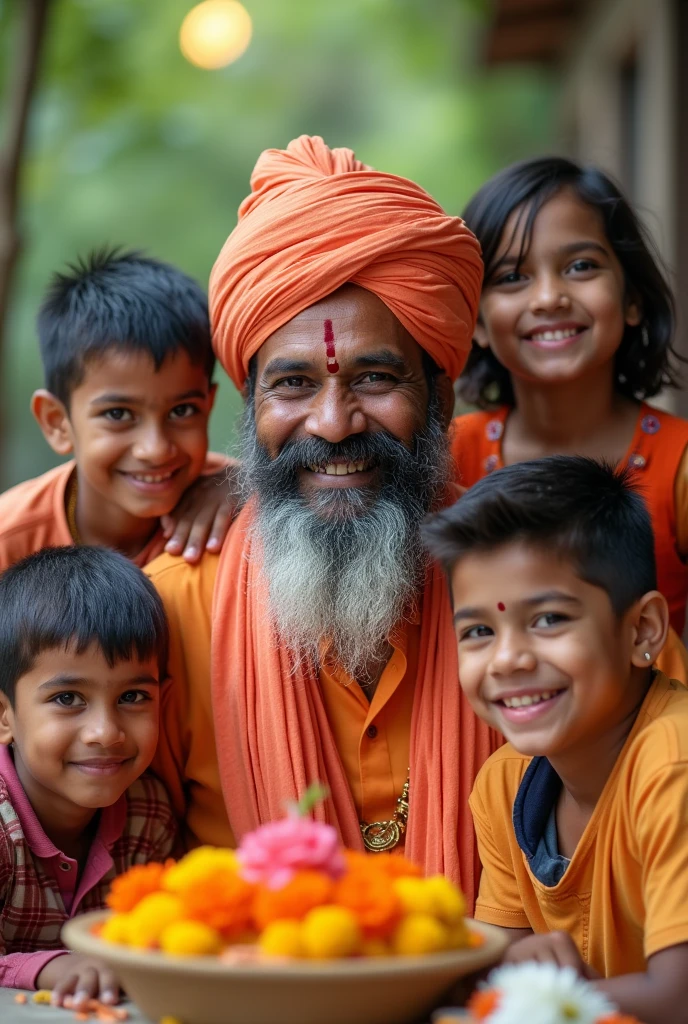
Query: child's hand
203	515
81	977
553	948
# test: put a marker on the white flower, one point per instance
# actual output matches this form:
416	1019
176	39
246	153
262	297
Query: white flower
545	994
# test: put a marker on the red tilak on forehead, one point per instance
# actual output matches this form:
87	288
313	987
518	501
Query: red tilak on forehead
332	364
501	606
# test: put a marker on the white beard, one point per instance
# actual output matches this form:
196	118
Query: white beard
344	580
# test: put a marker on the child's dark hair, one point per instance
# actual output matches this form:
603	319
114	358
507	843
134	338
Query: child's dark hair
576	508
646	360
116	299
74	597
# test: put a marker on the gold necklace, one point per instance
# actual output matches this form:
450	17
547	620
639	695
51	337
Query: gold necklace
379	836
72	495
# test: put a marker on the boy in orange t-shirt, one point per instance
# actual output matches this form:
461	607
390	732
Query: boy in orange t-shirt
128	364
582	816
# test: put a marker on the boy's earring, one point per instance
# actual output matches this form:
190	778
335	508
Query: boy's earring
647	656
645	335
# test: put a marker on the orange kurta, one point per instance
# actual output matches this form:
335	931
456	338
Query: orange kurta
658	452
33	515
372	737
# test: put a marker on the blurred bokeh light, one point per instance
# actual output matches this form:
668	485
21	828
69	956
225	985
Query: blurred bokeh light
215	33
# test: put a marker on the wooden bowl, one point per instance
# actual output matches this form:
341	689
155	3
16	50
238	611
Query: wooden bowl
203	990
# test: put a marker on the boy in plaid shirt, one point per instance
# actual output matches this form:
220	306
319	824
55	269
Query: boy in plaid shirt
84	641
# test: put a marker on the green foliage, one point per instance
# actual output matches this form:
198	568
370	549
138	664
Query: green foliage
130	144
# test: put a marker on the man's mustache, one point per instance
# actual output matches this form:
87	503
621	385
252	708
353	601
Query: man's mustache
378	449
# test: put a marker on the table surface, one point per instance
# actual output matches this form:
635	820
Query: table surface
34	1013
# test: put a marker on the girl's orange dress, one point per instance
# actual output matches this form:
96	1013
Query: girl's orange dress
658	453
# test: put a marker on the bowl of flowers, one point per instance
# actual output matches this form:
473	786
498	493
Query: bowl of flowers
288	929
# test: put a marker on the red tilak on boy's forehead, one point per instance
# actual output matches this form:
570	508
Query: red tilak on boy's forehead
501	606
332	364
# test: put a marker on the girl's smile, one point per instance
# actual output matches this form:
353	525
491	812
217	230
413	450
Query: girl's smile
560	311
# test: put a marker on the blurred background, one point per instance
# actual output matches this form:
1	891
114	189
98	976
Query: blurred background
129	142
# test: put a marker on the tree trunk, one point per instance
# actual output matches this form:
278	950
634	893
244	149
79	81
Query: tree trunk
23	74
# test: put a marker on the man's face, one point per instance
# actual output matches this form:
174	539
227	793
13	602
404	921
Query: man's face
342	368
345	451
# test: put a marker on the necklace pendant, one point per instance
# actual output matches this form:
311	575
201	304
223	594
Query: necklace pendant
380	836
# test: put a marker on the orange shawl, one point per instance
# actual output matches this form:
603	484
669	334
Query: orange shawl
274	738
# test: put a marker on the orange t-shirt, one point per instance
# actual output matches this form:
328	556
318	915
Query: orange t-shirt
373	738
659	454
624	894
33	515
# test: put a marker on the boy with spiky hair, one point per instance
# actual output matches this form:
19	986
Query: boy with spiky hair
128	363
582	816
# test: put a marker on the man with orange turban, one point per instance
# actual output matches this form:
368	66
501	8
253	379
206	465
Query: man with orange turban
319	645
343	304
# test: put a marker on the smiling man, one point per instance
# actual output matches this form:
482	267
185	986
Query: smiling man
343	304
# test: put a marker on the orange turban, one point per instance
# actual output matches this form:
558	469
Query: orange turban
318	218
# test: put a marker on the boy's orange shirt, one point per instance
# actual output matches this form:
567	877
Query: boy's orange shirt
624	895
33	515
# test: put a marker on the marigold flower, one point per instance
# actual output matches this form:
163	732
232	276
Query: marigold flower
116	929
371	897
618	1018
129	889
190	938
224	902
483	1002
149	918
330	933
198	867
415	896
396	865
282	938
306	890
419	934
448	900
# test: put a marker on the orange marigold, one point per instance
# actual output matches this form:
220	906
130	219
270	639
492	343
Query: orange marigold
306	890
224	903
618	1018
397	866
129	889
483	1002
371	897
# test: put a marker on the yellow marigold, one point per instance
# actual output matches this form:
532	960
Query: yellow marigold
419	934
151	916
449	903
330	933
42	996
371	897
223	902
282	938
129	889
116	929
199	866
415	896
190	938
306	890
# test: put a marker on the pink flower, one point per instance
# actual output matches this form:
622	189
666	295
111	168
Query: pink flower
273	853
